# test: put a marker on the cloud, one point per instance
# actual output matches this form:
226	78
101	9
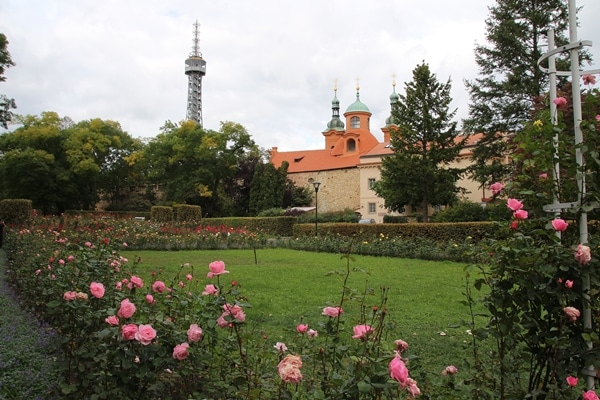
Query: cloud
271	64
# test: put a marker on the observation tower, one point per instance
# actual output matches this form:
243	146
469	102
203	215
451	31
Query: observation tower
195	69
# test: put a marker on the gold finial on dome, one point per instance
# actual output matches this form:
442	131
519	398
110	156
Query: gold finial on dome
357	85
394	81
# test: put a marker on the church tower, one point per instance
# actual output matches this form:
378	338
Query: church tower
195	69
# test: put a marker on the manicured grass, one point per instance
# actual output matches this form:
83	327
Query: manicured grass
285	287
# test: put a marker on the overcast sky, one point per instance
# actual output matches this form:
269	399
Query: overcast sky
271	64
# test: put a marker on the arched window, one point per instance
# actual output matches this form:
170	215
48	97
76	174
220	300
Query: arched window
355	122
351	145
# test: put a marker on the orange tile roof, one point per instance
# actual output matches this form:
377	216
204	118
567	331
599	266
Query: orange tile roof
313	160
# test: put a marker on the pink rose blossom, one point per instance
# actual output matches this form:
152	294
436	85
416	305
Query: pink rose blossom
572	313
572	381
450	370
61	261
362	331
216	268
210	290
590	395
145	334
302	328
112	320
194	333
281	347
97	290
412	388
127	309
88	244
598	117
150	299
401	345
289	369
520	214
222	322
312	333
71	258
181	284
180	352
189	277
69	296
137	281
569	284
560	102
235	311
496	188
583	255
559	224
589	79
398	370
159	286
37	272
118	285
543	175
332	312
128	331
514	204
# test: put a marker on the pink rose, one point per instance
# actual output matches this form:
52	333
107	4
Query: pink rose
128	331
398	370
543	175
289	369
560	101
127	309
496	188
302	328
568	284
589	79
194	333
180	352
189	277
514	204
112	320
572	313
572	381
149	299
583	255
450	370
235	311
412	388
312	333
598	117
137	281
210	290
362	331
158	286
332	312
145	334
559	224
216	268
69	296
590	395
281	347
97	290
71	258
401	345
222	322
118	285
520	214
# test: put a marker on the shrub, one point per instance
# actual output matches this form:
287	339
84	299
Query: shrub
161	214
189	213
463	211
16	211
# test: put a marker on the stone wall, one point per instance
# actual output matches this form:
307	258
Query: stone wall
339	189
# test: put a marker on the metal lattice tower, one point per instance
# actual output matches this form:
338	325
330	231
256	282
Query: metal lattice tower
195	69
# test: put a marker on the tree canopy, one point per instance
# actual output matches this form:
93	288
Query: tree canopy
424	142
6	104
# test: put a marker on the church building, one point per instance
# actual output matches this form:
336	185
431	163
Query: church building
349	164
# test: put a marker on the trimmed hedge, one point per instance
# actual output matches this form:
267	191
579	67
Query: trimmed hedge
188	213
434	231
279	226
16	211
161	214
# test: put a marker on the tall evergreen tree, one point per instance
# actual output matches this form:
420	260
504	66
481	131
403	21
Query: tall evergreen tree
510	82
6	104
424	143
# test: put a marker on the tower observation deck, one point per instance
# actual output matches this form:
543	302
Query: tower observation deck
195	69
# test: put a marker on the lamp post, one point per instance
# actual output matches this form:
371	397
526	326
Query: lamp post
316	186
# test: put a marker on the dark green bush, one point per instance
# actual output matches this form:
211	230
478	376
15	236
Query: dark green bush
161	214
189	213
16	211
330	217
463	211
395	219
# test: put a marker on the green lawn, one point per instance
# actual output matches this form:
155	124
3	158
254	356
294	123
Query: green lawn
424	299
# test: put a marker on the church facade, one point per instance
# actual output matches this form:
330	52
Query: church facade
349	164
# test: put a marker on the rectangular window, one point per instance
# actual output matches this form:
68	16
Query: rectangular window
372	208
371	183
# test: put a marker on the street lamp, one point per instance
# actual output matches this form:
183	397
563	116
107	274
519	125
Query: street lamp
316	186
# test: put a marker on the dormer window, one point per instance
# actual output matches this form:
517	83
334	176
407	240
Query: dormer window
355	122
351	145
